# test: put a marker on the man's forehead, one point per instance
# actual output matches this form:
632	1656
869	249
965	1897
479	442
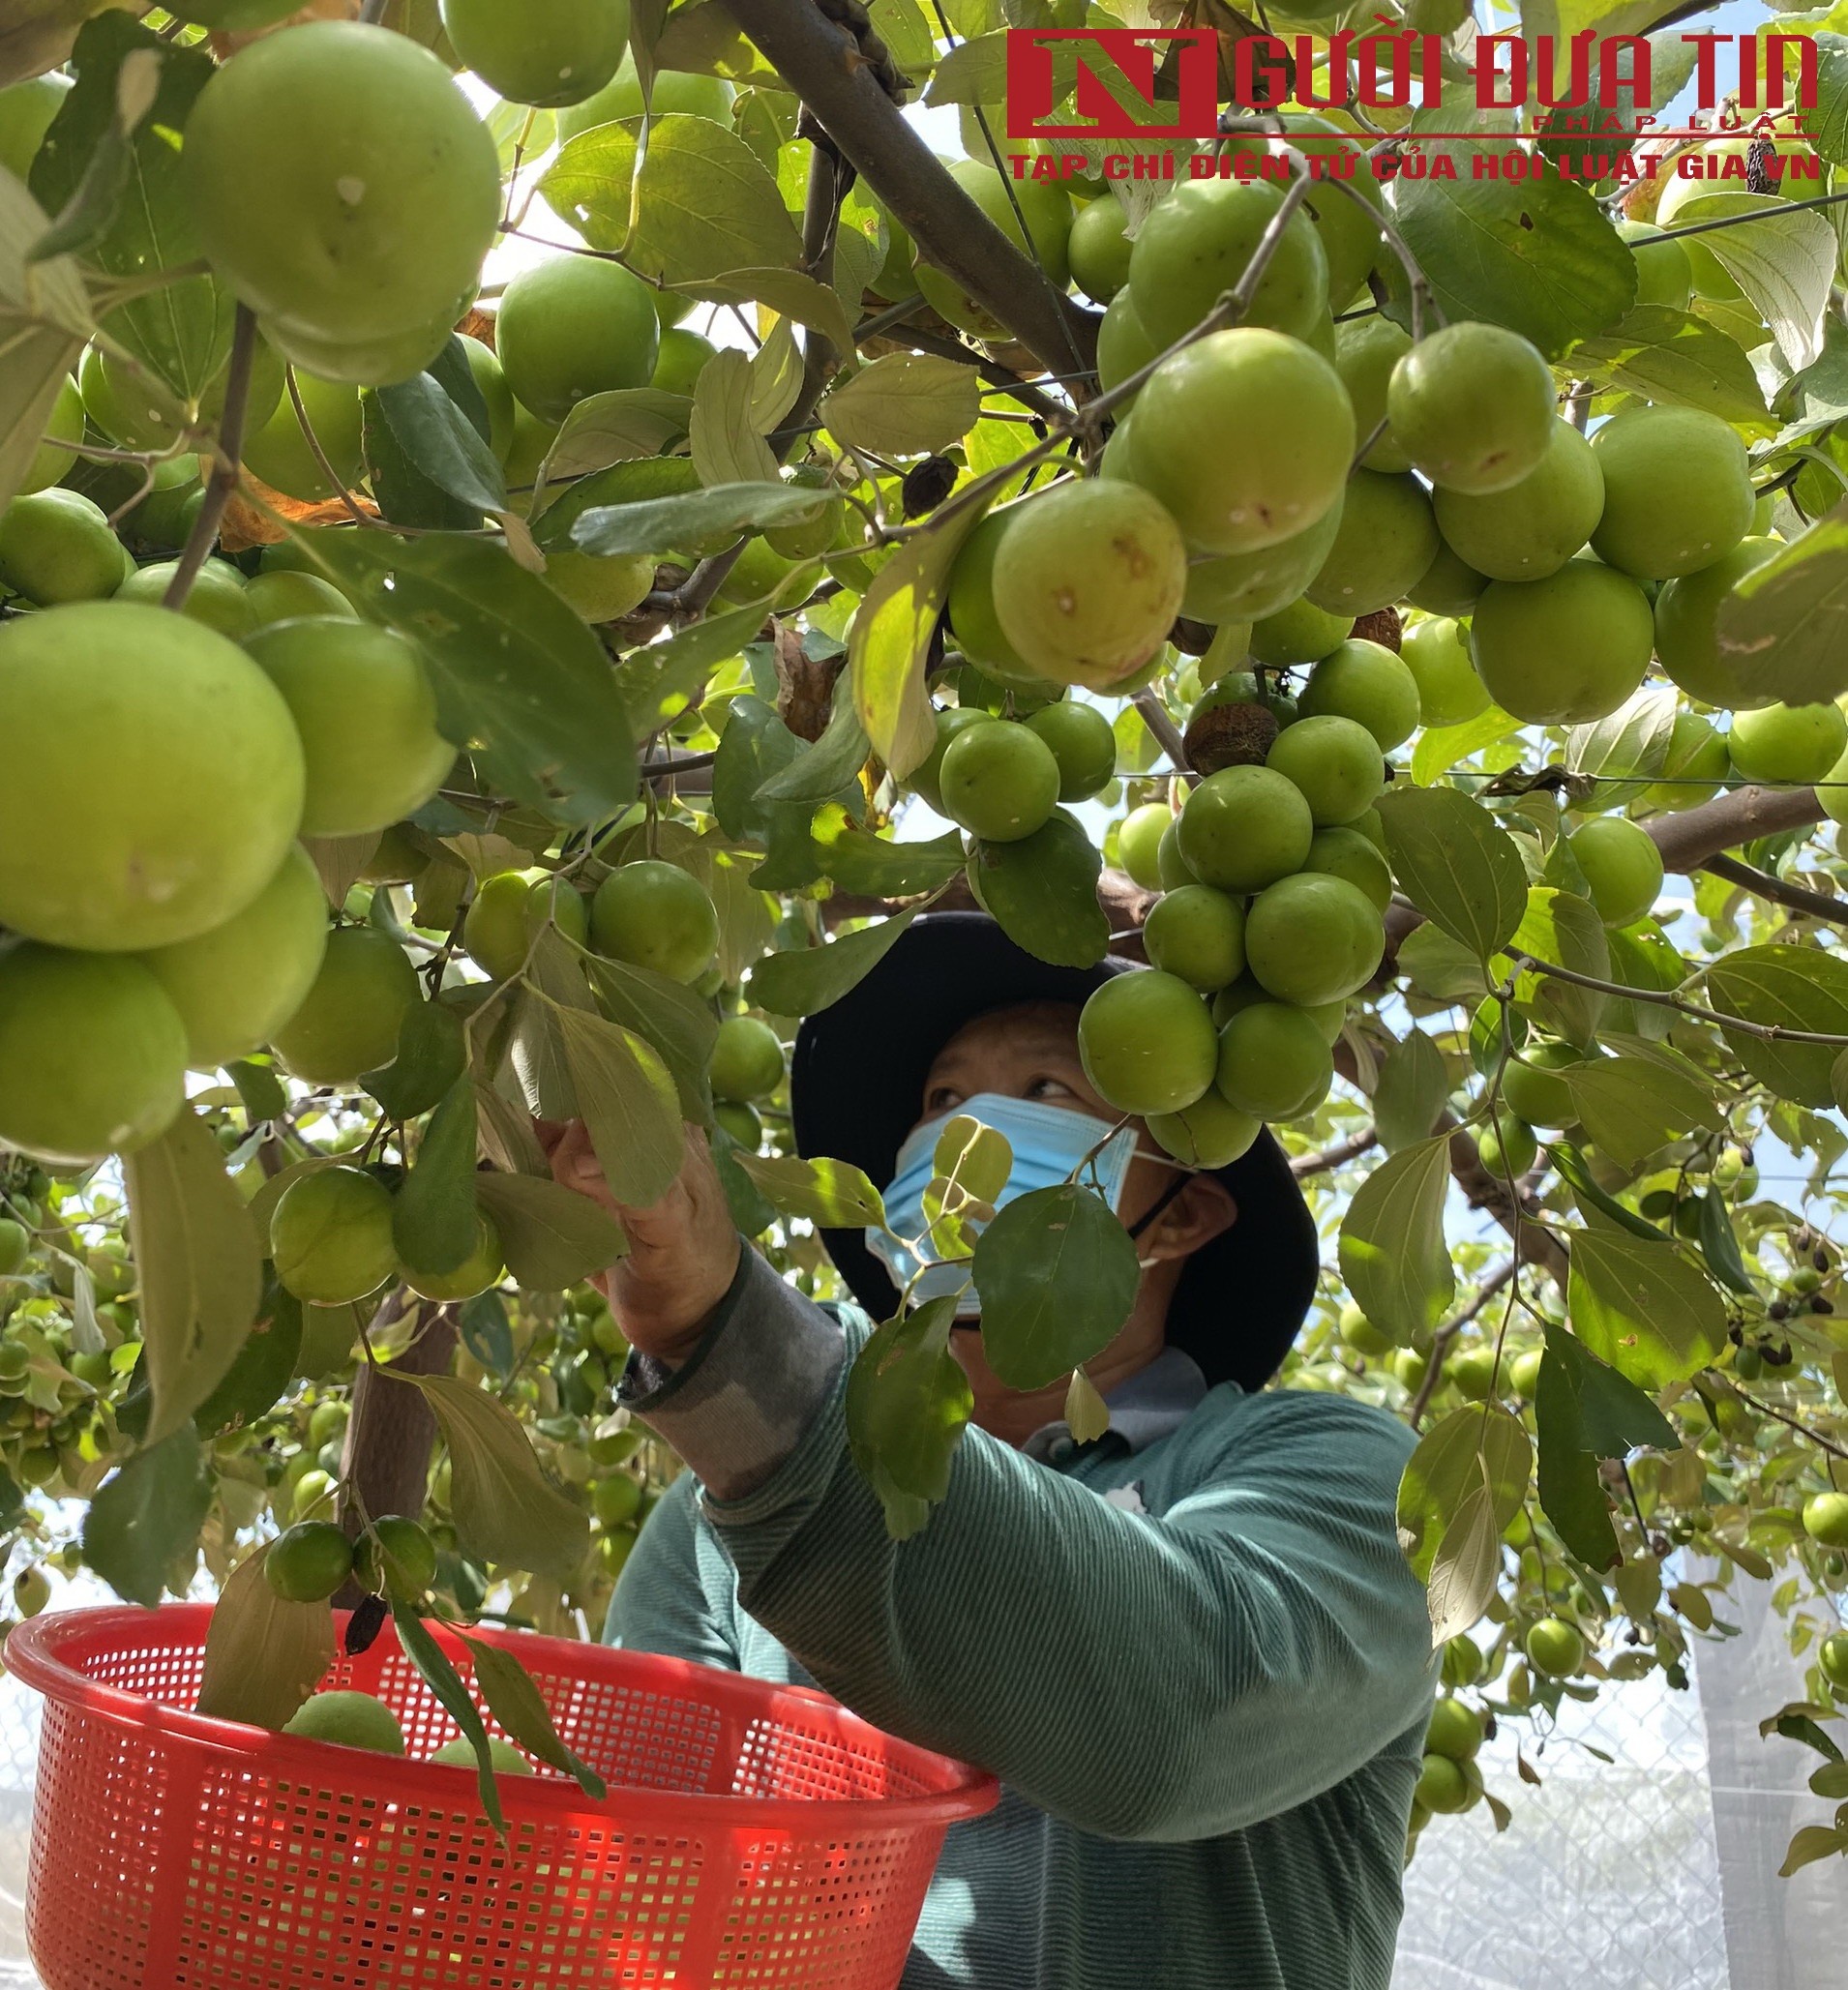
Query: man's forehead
1025	1027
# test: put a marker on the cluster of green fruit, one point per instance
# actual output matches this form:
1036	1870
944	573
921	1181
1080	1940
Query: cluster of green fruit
394	1557
1274	886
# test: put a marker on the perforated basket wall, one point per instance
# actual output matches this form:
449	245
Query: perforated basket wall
753	1835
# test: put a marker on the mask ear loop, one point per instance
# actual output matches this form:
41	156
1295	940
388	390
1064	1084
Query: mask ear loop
1182	1178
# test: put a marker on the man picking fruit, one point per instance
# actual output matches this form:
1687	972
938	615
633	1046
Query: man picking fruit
1191	1649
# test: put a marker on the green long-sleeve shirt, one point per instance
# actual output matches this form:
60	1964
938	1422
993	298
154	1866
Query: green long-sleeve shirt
1191	1650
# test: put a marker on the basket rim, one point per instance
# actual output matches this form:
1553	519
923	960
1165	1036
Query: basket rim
41	1653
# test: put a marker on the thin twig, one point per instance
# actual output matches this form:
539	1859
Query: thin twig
1303	1166
226	450
1442	1339
335	481
1769	1033
1815	1437
1154	715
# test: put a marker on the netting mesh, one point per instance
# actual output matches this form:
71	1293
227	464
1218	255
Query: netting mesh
1654	1871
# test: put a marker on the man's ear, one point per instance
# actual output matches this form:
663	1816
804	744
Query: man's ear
1203	1210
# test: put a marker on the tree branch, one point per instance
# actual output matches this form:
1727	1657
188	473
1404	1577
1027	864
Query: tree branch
821	62
1303	1166
1482	1189
227	448
1812	905
1688	838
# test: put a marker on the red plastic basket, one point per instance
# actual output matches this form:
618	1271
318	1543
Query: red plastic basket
753	1836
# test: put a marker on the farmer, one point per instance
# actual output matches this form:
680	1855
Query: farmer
1190	1649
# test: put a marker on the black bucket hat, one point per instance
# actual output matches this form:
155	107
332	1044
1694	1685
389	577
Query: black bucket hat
857	1077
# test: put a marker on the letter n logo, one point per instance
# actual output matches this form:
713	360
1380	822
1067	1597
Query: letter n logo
1114	76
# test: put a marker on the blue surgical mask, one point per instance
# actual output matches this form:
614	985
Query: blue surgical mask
1048	1143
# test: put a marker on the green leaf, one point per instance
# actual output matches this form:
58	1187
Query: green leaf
618	426
263	1655
1672	357
1831	1780
1632	740
183	330
659	525
1056	1273
487	1332
755	748
505	1508
751	1215
1394	1260
1719	1245
514	1701
1463	1571
1412	1088
728	450
889	643
1811	1843
1439	967
1457	1455
1611	1415
1585	1410
550	1236
860	860
907	1404
442	1678
667	1016
655	680
433	1213
1566	1478
1642	1307
1784	260
973	71
628	1103
803	980
265	1364
1576	1172
441	441
829	769
1042	892
1562	929
905	403
833	1195
792	293
1440	748
202	1270
1457	864
517	674
432	1052
1633	1106
260	1090
706	206
145	1521
1785	987
1535	255
1783	628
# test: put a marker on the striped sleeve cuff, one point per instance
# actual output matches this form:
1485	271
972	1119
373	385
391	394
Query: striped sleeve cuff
744	1400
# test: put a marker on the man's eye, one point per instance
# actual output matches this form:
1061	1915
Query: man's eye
1047	1089
940	1098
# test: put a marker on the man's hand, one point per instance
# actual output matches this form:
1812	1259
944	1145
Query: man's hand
683	1250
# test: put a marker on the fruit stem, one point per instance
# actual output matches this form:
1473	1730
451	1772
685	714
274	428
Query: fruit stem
224	463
